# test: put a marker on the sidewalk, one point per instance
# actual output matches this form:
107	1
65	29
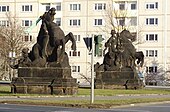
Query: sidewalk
55	100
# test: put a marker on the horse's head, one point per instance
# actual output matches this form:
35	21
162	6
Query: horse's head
49	16
126	34
25	52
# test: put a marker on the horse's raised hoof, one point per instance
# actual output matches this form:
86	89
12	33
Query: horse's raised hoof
73	47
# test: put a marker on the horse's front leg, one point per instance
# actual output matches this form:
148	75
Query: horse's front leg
70	37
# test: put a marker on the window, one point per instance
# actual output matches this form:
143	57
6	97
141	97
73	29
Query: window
133	5
152	5
26	22
98	22
4	23
77	38
26	8
46	6
152	69
58	21
151	53
75	68
58	7
121	21
4	8
100	6
124	5
30	37
27	38
151	37
133	21
75	7
75	22
121	5
74	53
152	21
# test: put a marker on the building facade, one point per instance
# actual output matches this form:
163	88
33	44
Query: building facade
148	19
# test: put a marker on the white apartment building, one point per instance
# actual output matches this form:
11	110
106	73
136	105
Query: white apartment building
153	16
148	18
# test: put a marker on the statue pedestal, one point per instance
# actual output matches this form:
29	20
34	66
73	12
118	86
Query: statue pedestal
42	80
117	80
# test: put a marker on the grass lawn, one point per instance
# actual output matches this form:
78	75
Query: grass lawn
108	92
5	91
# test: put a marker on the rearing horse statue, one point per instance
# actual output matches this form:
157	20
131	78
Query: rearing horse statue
51	40
124	54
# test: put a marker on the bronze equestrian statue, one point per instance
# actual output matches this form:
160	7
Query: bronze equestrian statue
121	52
49	50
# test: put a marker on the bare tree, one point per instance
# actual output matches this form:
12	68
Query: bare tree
86	78
11	41
114	18
119	19
155	74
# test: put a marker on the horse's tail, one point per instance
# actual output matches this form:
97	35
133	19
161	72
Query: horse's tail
142	59
140	56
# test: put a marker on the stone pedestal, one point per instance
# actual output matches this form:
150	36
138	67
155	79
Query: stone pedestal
42	80
127	79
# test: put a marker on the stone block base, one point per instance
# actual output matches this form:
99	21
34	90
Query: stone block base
53	86
117	80
44	81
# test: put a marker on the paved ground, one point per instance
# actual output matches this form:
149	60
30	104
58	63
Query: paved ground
157	107
146	107
117	97
161	107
